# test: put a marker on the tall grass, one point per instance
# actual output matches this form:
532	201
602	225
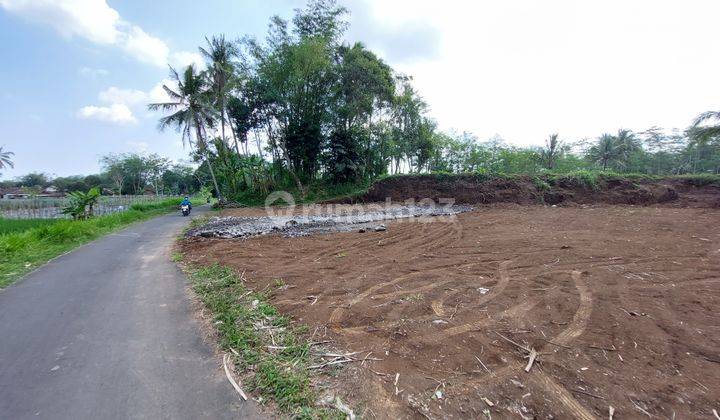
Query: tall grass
25	247
19	225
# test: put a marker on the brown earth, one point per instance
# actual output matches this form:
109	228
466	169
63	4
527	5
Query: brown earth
621	302
527	190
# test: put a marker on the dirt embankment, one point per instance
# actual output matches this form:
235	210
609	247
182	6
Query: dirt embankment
676	192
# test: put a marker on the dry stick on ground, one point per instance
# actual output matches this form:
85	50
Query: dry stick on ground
556	344
339	359
483	365
230	378
697	382
611	412
642	410
366	356
520	346
580	391
603	348
532	353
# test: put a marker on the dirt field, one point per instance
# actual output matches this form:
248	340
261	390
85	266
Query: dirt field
621	303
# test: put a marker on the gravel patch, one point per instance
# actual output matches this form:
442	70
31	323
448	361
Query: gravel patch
303	225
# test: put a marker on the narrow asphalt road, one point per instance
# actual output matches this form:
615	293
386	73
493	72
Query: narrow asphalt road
107	332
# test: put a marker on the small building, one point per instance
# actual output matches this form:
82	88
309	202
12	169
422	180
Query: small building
12	192
20	192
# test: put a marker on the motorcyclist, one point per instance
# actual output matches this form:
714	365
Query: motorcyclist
186	202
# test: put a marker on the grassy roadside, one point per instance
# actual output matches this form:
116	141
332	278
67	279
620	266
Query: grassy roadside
21	225
27	244
268	350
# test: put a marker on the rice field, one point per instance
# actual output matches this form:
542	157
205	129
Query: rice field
51	208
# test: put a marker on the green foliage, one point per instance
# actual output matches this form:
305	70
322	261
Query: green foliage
280	375
586	179
540	184
81	203
20	225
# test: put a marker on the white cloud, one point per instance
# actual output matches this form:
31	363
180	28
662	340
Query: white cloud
129	97
94	21
92	73
158	94
115	113
144	47
182	59
121	104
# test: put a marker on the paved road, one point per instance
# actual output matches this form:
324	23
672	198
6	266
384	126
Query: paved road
106	332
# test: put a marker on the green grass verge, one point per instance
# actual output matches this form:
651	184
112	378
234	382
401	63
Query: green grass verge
28	244
20	225
245	322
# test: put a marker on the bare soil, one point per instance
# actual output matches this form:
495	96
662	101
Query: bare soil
527	190
621	303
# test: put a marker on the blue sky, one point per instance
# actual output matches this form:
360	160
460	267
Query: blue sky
76	74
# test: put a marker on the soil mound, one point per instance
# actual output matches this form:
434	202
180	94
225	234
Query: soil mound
474	189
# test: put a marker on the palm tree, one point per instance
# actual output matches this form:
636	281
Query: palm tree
5	160
628	141
551	152
701	132
615	150
219	55
192	113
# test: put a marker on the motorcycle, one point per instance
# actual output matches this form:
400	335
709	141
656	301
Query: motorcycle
185	209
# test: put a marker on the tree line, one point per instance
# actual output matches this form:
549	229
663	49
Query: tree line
298	107
127	173
302	107
654	151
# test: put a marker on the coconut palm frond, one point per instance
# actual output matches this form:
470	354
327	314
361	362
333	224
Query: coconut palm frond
176	120
704	134
172	94
706	116
5	161
164	106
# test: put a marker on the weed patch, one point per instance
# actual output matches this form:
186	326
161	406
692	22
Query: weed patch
268	349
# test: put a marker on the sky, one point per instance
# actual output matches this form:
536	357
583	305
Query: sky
76	75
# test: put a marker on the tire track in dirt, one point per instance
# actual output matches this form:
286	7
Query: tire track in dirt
406	240
582	315
539	378
437	305
563	396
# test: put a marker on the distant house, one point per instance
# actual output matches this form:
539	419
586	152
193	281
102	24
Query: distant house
19	192
11	192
